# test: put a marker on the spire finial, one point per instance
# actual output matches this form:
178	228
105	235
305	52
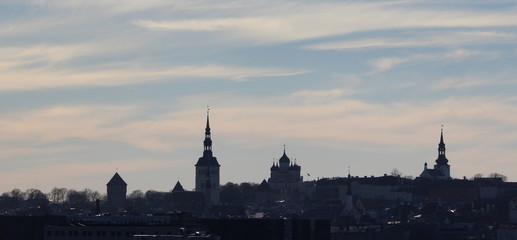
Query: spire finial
284	148
441	135
348	171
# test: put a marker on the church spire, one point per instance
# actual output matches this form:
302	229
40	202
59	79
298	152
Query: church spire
208	140
349	184
442	160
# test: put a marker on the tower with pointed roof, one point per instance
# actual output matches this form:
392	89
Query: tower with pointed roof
207	169
348	197
285	175
442	169
116	189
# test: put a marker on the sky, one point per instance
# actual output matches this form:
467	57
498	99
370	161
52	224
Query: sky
90	88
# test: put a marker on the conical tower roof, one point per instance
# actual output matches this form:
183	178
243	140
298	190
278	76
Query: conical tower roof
264	187
116	180
178	187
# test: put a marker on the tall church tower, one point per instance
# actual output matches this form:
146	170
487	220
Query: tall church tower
442	162
442	169
207	169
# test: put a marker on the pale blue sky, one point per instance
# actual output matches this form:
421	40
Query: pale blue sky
88	87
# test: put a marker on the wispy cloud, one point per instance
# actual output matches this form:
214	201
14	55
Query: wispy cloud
344	124
418	39
316	20
388	63
470	81
41	79
72	173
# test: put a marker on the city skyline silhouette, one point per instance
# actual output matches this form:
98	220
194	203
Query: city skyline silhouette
90	89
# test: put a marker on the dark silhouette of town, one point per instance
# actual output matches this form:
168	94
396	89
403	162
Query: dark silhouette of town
433	205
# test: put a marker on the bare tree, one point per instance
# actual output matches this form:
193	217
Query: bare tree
57	195
477	175
18	194
136	194
395	172
498	175
34	194
77	199
92	196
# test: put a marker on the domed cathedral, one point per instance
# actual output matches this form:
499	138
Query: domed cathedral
285	175
442	170
207	170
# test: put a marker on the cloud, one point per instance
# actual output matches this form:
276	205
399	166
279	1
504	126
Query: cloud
45	56
70	175
321	96
320	119
421	39
278	120
471	81
126	75
388	63
288	21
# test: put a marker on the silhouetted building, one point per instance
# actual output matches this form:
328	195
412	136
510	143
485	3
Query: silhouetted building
285	176
178	187
264	193
187	201
117	190
442	170
207	170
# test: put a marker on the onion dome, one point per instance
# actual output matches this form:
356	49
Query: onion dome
284	158
274	167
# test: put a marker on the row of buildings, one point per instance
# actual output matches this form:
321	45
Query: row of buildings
434	197
432	206
285	175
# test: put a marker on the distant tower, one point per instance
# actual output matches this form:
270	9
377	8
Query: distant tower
207	169
441	161
117	190
348	197
441	169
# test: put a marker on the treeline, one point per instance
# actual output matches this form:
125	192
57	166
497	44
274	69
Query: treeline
71	201
35	201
